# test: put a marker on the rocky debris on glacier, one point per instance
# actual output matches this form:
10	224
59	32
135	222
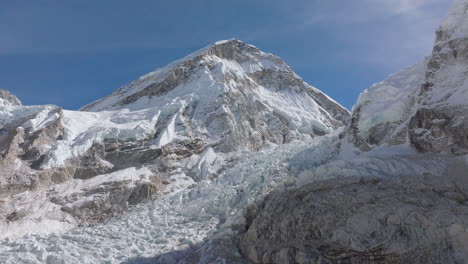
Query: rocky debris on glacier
177	122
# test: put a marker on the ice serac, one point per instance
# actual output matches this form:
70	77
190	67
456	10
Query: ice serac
441	122
232	96
381	113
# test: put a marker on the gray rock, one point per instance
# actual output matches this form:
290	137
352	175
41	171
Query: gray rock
398	220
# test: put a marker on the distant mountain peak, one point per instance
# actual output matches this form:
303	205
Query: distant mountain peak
7	98
224	85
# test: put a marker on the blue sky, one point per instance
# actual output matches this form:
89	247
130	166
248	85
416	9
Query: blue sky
72	52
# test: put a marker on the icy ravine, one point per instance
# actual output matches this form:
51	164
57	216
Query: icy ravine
186	218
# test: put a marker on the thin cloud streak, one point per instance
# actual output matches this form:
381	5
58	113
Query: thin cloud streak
405	33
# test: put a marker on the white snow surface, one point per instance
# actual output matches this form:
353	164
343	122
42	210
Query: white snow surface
456	23
213	206
390	100
450	84
83	129
202	86
35	117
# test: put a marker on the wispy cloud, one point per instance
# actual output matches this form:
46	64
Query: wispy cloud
394	32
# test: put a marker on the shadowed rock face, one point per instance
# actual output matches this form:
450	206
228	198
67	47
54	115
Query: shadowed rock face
22	152
443	129
408	220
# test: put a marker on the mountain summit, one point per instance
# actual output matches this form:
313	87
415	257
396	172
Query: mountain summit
175	125
234	90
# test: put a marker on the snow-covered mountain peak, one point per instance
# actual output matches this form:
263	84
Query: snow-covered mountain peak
8	99
229	88
222	62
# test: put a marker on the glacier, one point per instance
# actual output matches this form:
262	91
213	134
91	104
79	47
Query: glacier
212	207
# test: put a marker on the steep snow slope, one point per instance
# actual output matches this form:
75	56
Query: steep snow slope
381	112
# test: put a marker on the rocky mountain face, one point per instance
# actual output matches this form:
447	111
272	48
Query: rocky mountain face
424	105
441	122
158	134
